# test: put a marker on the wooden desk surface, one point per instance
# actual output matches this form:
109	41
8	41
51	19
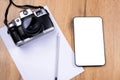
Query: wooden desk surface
64	11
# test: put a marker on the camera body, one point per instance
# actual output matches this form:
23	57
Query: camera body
29	25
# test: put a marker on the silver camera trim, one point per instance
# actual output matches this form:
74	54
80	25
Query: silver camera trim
41	14
18	21
29	12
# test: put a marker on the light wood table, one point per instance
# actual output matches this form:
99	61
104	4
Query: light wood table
64	11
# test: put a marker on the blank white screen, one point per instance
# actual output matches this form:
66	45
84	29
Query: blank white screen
89	44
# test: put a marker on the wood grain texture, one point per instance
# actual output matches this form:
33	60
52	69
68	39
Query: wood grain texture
64	11
109	11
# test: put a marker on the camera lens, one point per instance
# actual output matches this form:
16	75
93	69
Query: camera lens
32	26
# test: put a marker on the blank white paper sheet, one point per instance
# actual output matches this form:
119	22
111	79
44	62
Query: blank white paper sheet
36	59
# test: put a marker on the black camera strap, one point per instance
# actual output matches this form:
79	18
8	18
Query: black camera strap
19	6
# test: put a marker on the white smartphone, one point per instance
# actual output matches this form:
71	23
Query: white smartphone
89	41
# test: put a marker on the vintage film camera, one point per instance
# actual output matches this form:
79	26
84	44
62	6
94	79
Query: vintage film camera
29	25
